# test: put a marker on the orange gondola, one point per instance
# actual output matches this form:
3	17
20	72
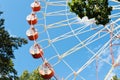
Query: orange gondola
36	51
46	72
32	19
36	6
32	34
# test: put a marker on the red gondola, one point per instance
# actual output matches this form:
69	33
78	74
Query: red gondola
32	34
46	71
36	6
32	19
36	51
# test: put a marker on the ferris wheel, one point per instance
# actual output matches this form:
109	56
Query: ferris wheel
74	48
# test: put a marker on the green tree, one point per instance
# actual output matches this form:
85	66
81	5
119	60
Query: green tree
31	76
115	78
7	46
97	9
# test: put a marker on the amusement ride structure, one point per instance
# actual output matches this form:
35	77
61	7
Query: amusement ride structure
75	39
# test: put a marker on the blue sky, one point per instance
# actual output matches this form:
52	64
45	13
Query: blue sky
15	13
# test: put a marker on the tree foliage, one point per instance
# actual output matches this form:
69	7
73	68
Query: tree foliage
31	76
97	9
115	78
7	46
